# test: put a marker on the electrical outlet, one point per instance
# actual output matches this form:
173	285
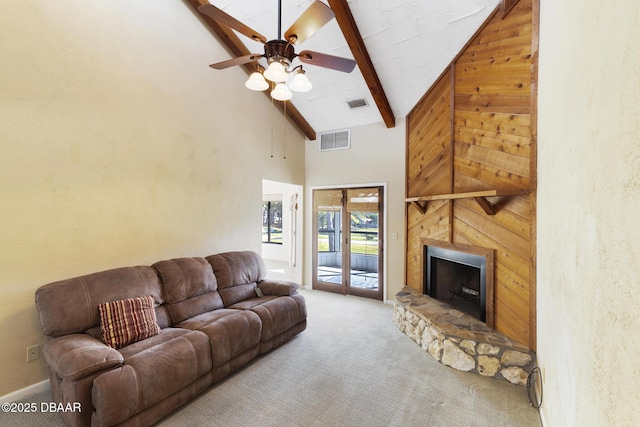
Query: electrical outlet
33	353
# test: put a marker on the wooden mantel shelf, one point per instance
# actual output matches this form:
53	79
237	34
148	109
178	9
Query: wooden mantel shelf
479	196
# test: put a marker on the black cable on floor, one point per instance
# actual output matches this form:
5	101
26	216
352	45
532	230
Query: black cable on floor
530	387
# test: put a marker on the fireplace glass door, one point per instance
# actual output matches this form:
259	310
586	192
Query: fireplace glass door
457	278
347	244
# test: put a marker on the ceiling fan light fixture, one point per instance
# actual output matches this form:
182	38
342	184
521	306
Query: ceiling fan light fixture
281	92
300	82
280	53
257	82
276	72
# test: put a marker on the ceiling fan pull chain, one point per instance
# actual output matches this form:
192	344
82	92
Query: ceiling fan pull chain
284	132
272	126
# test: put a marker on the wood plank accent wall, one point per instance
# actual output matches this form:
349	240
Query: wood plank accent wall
472	131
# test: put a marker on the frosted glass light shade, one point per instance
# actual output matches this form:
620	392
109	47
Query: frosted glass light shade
300	83
256	82
281	92
276	72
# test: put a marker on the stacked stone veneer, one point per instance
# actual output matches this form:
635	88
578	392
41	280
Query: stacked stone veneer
460	341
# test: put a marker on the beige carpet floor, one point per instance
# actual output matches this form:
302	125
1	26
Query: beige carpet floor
351	367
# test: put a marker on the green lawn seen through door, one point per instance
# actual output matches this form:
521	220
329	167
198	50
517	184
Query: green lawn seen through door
360	243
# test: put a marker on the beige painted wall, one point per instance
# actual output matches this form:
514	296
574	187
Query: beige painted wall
377	156
588	212
119	146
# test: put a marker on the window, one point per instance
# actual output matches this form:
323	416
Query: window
272	220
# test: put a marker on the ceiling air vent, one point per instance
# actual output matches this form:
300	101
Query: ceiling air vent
358	103
339	140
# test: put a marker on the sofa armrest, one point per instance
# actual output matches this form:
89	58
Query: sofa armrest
278	288
76	356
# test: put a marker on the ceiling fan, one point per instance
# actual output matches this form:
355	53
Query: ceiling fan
280	53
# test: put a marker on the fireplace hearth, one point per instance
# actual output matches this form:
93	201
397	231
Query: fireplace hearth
460	341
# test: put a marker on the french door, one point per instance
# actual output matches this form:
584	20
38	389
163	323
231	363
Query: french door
347	241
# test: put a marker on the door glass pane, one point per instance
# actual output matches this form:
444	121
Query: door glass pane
275	222
329	247
272	219
265	222
363	205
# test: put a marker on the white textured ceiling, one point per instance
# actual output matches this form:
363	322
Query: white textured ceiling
410	42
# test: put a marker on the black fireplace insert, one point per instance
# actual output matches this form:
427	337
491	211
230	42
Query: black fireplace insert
457	278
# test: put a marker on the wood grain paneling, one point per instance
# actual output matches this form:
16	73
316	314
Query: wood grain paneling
429	153
434	224
472	131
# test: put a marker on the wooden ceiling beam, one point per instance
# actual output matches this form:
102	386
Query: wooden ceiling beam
506	6
361	55
237	48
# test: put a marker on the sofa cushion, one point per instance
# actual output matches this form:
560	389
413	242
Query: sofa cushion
231	332
237	274
237	268
153	370
71	306
124	322
189	287
237	293
277	314
249	303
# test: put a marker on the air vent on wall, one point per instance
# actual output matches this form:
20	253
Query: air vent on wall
358	103
339	140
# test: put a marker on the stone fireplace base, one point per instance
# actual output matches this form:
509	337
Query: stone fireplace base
460	341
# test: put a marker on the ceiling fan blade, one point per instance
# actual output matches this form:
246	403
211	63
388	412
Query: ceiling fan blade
327	61
236	61
213	12
311	20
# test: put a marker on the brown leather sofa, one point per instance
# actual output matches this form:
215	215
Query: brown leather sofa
215	315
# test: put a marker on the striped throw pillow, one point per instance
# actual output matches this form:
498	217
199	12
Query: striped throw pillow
127	321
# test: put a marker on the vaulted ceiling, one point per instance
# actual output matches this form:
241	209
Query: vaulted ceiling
400	47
